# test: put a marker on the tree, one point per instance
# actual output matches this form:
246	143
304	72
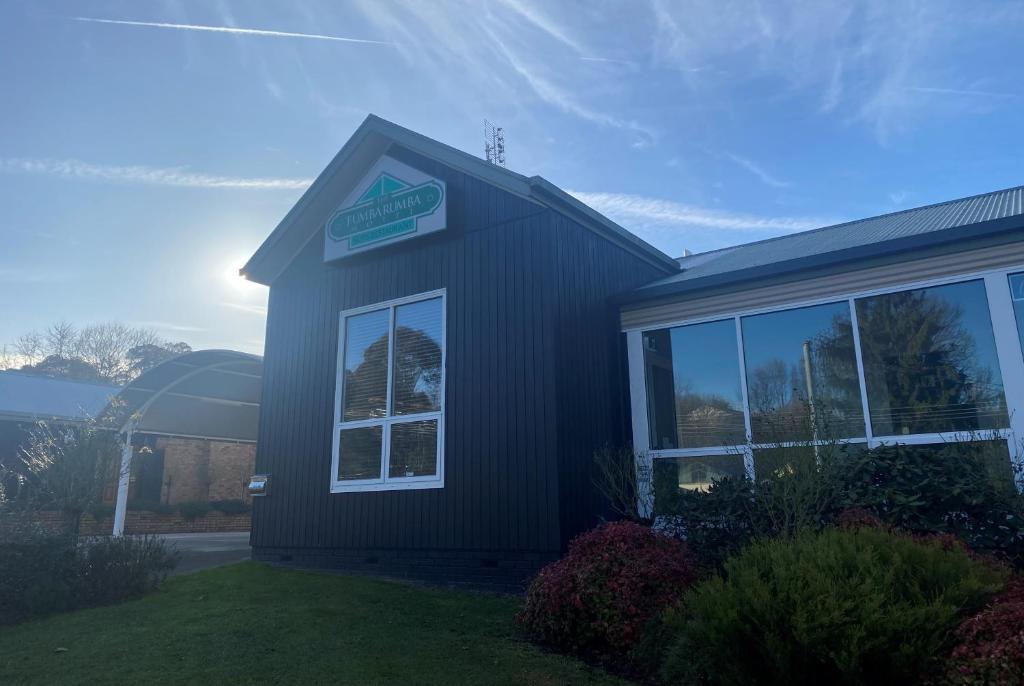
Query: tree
63	467
111	352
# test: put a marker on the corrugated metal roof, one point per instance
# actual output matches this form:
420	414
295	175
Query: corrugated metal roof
898	229
30	397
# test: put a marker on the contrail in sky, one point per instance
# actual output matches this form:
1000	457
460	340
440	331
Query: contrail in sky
234	30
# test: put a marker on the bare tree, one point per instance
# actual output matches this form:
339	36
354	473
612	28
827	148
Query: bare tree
61	339
109	352
30	347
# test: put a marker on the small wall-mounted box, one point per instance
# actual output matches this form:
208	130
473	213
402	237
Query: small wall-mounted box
259	484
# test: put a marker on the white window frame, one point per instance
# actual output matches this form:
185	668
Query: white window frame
1009	352
385	482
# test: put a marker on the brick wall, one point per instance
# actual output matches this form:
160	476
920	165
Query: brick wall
231	465
143	522
197	469
186	469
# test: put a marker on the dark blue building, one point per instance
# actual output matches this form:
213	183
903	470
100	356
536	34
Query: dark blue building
448	344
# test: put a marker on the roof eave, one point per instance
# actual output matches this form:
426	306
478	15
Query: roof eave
984	229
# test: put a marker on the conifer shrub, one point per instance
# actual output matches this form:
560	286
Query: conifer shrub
843	606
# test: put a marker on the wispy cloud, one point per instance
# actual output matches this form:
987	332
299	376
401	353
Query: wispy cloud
863	63
540	20
565	101
156	176
233	30
246	307
766	178
963	92
608	60
637	211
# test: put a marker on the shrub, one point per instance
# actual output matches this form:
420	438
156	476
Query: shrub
715	523
951	489
38	571
989	646
154	506
597	600
838	607
230	506
113	568
194	509
101	511
42	572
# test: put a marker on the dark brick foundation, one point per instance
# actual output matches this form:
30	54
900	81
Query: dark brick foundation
498	571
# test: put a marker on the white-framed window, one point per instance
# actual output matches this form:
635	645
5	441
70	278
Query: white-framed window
389	397
921	363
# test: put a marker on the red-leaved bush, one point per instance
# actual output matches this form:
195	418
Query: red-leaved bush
989	646
597	600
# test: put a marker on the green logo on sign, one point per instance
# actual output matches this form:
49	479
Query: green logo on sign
389	207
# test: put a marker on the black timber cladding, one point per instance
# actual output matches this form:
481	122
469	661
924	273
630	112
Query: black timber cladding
534	382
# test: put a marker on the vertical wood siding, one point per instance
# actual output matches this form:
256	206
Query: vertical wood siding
533	380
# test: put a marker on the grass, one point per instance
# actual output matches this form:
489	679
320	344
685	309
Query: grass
252	624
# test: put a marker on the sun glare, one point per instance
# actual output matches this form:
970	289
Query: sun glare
236	281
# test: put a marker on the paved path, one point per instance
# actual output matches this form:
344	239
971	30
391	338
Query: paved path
202	551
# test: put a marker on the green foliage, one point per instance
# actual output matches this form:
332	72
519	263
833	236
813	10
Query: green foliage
101	511
836	607
63	467
154	506
43	572
964	489
194	509
230	507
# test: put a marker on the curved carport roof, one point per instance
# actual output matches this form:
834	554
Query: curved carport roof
211	394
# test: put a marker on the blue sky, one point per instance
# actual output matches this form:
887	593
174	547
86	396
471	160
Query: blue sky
145	156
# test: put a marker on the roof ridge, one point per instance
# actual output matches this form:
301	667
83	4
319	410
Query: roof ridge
862	220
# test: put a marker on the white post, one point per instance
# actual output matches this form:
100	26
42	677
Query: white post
641	433
122	482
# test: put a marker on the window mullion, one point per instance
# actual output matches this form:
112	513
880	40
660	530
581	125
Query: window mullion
865	408
385	467
748	453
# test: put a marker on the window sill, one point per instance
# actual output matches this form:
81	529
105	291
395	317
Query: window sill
341	487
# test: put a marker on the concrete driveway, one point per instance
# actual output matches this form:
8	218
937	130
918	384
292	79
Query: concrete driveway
202	551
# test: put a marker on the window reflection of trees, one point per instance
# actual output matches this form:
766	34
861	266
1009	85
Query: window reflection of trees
783	399
927	369
417	376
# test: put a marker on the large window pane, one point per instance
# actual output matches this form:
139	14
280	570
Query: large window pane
417	374
930	361
1017	295
693	385
359	453
802	374
413	449
366	366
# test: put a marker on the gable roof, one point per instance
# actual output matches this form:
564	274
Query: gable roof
371	140
27	397
978	216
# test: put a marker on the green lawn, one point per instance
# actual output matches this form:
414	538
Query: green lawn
250	623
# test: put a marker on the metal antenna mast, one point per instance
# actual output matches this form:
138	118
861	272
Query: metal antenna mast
494	144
